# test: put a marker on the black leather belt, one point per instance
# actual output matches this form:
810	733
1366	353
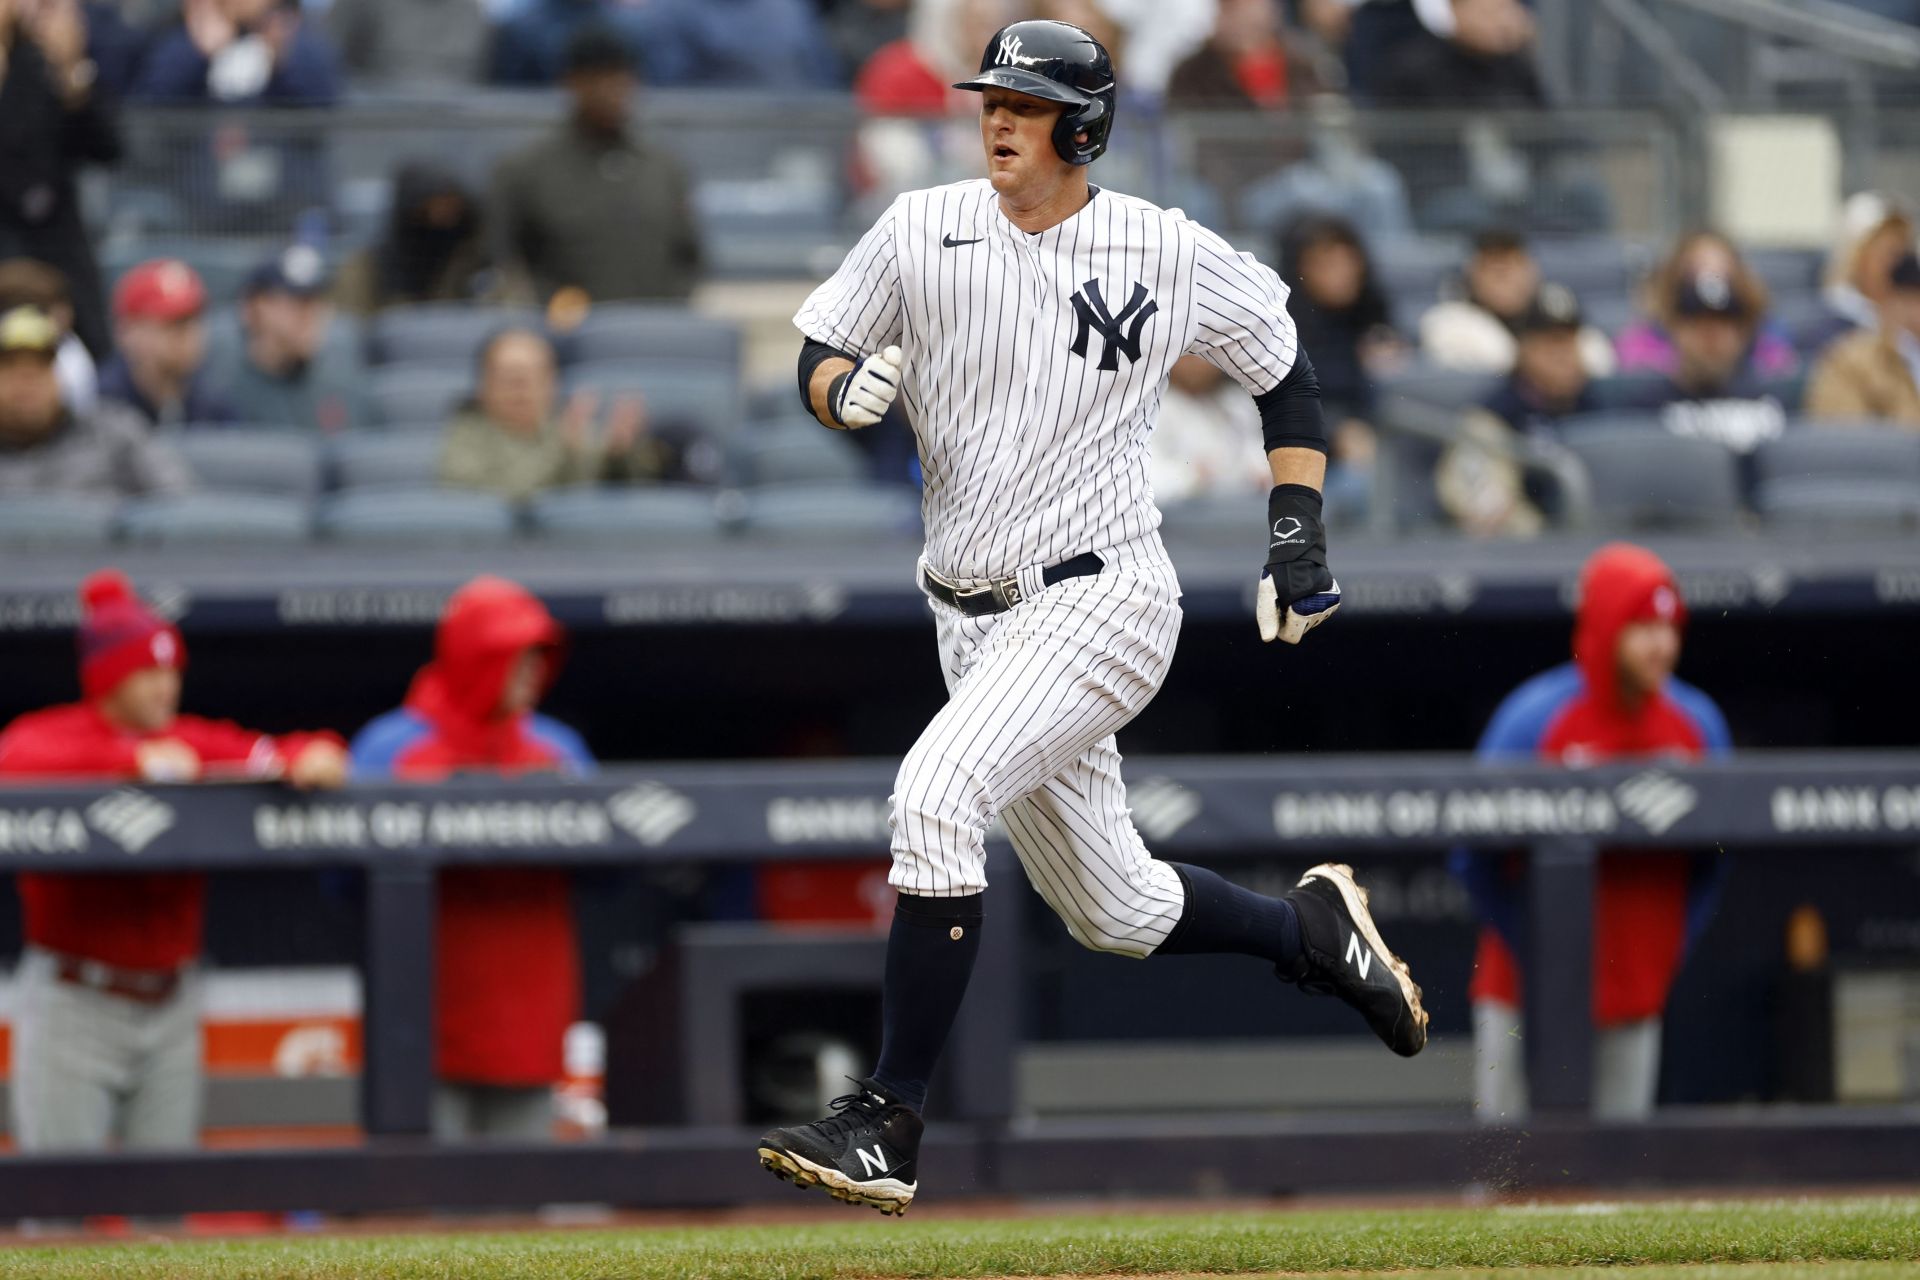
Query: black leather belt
1001	594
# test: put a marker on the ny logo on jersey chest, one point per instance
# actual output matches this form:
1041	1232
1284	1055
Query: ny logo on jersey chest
1120	333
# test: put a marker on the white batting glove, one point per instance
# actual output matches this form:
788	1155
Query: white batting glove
1291	623
860	396
1297	591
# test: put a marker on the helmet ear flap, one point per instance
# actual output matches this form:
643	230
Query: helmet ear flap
1092	118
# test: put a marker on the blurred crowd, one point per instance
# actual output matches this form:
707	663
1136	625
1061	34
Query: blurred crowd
309	52
99	379
1516	365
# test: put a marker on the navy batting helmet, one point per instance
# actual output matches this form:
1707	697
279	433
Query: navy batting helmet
1061	63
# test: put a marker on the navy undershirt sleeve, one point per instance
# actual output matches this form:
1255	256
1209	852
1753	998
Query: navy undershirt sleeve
812	356
1290	413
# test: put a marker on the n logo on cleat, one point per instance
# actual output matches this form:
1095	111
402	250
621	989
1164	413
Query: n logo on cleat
1357	956
872	1163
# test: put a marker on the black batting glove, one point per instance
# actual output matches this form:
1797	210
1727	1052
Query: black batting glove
1297	591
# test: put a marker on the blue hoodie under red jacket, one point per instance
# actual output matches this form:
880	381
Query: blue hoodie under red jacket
1648	907
507	984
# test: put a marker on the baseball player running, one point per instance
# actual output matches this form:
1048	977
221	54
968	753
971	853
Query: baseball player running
1029	320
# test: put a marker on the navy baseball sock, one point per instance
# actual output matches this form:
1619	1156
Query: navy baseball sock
1221	917
929	959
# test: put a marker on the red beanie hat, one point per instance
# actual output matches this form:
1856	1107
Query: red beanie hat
119	635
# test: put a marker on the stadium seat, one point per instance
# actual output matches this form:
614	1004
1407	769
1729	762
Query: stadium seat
214	518
416	516
703	397
790	451
1787	271
1804	317
56	520
830	512
762	201
252	459
1592	264
442	333
1441	388
1628	391
1414	267
1840	505
1839	451
1645	477
1609	312
361	459
772	400
1790	391
405	393
637	517
655	333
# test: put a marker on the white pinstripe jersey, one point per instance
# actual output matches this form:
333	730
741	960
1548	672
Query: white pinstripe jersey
1035	363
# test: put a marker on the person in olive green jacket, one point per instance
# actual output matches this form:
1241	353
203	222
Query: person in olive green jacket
512	439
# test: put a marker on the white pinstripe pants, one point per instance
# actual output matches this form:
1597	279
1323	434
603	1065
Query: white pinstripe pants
1036	695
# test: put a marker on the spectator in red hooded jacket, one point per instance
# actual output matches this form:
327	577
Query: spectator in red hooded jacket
1617	699
507	984
107	1020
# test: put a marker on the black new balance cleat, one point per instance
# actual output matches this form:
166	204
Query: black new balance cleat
864	1153
1343	955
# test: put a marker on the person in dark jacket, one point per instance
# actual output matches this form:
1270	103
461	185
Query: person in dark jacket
241	51
48	448
1549	380
591	209
52	121
1339	309
1343	317
160	369
1713	391
434	251
1487	60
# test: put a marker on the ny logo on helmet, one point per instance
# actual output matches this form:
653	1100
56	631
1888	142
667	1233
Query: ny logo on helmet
1010	53
1090	309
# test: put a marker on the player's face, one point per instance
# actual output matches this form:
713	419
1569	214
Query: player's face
517	386
602	99
1646	655
521	693
169	349
1503	281
1903	310
1017	132
146	701
1332	274
1710	347
1877	256
29	394
1549	362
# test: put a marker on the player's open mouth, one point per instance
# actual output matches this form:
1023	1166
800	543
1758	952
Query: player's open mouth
1004	152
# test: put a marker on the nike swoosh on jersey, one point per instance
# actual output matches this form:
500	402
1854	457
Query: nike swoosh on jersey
948	242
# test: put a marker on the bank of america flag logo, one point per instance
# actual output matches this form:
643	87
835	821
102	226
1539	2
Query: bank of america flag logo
131	819
650	813
1161	807
1655	800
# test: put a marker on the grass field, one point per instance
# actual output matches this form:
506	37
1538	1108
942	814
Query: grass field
1862	1239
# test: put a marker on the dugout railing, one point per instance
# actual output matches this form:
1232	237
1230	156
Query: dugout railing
692	814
